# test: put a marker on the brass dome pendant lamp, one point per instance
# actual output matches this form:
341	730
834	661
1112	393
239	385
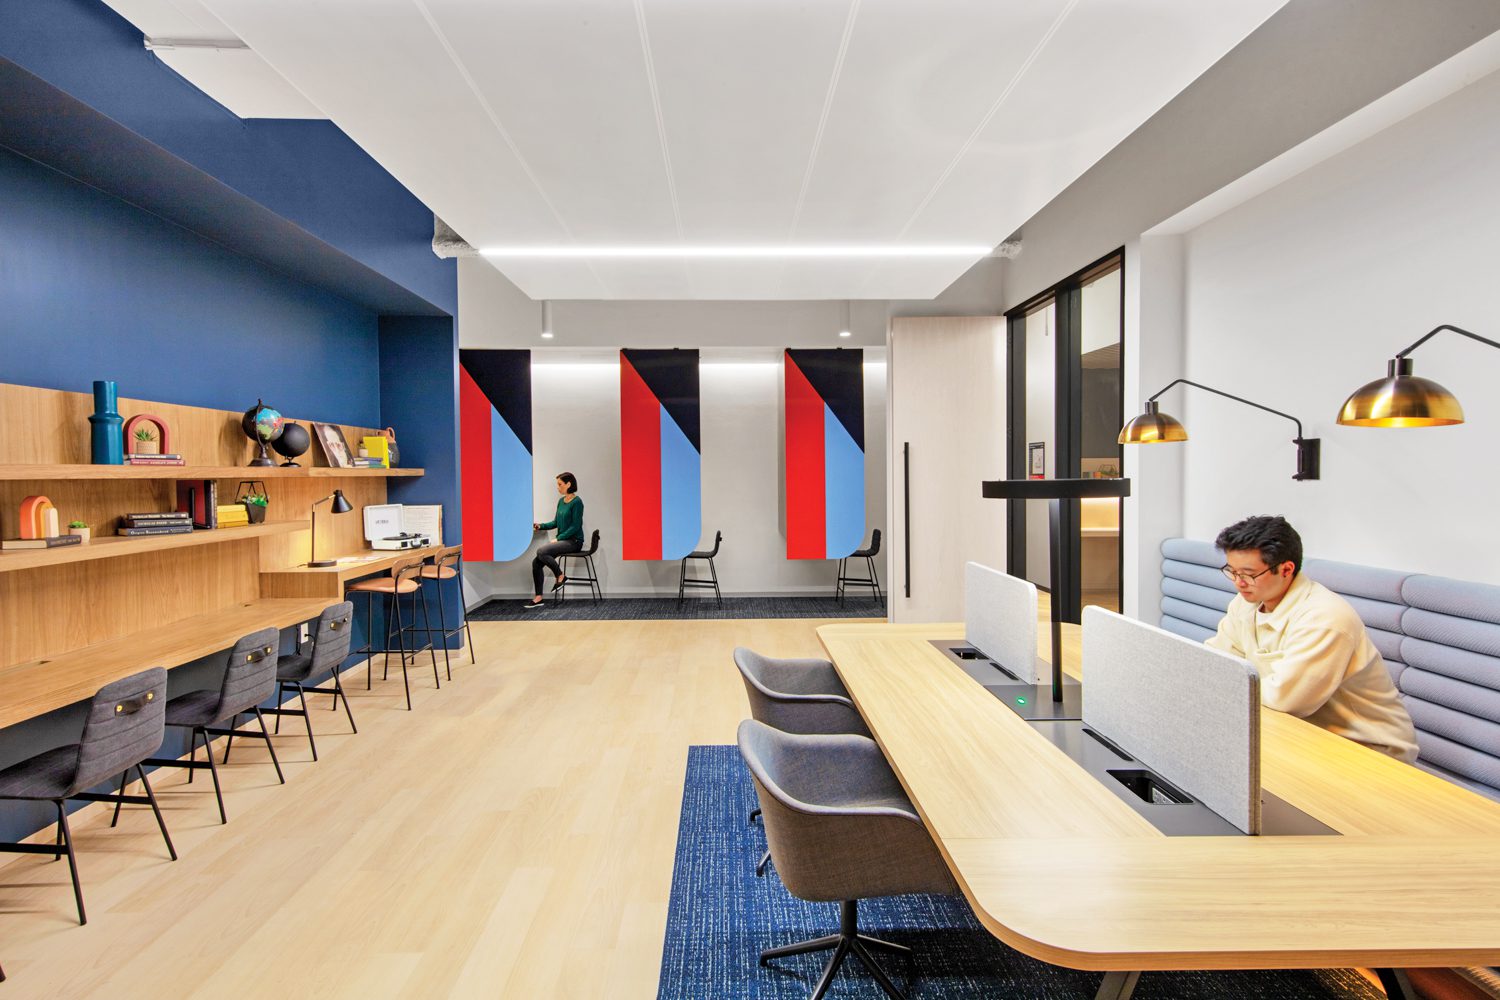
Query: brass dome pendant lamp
1402	399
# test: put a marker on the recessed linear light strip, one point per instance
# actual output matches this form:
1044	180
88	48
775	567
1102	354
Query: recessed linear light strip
748	252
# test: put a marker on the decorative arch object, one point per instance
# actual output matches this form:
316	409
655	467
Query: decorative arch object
163	443
39	518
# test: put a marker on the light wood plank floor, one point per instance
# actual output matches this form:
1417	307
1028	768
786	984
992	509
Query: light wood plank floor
511	837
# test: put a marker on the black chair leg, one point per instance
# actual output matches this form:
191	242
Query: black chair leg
838	588
123	776
213	771
714	572
146	785
760	869
269	745
228	740
193	753
442	628
306	717
369	636
280	700
338	687
421	595
681	580
463	606
401	639
67	839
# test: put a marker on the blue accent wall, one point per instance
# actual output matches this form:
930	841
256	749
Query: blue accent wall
92	288
309	172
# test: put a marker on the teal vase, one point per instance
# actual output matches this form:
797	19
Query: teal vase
108	425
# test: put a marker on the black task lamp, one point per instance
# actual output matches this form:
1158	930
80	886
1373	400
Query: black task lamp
340	506
1402	399
1155	427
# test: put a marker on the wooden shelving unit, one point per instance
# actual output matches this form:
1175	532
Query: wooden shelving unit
69	472
112	546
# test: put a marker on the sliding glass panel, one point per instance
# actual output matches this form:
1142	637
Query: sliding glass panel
1041	423
1101	413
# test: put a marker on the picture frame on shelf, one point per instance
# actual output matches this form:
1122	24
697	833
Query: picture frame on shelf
335	447
1036	460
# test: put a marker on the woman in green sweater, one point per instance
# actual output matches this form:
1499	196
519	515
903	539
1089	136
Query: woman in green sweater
569	524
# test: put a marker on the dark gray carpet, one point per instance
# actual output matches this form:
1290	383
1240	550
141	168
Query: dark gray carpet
579	608
721	916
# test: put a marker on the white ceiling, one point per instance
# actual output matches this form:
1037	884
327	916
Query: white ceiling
648	122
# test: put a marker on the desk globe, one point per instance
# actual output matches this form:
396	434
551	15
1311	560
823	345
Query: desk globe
262	424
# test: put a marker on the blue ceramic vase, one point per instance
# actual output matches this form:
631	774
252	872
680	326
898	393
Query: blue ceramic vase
108	425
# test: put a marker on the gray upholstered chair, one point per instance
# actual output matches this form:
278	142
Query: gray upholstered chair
797	696
249	679
330	647
841	830
124	725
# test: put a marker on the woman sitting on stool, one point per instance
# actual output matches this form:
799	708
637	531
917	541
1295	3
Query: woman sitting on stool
569	524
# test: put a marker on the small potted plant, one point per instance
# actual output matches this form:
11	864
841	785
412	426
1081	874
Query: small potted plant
255	506
145	442
79	528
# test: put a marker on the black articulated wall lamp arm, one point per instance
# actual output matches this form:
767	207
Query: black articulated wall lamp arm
1153	427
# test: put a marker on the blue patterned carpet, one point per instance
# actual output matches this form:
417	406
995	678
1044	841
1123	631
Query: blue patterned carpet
580	608
721	916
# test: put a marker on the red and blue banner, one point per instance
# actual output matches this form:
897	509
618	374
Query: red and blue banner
494	406
825	453
660	454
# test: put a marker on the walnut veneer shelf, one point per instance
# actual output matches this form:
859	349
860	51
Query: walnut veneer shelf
36	687
43	472
112	546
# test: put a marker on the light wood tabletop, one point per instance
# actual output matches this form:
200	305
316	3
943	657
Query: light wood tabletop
328	581
35	687
1056	866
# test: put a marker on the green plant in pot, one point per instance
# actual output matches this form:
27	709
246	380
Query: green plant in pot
255	506
79	528
145	442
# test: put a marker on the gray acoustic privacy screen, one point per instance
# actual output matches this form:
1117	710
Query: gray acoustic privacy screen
1188	712
1000	618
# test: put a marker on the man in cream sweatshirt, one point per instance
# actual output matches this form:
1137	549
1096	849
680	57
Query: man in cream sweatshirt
1306	642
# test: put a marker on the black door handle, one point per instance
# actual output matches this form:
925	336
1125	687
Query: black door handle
906	510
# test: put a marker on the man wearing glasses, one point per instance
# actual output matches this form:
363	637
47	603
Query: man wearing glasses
1308	645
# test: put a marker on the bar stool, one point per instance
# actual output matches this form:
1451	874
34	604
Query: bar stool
404	578
684	581
124	725
872	580
249	679
330	646
589	579
448	565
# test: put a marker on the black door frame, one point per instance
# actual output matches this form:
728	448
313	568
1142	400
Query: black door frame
1067	298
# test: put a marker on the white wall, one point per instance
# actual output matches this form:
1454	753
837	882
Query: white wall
576	428
1300	295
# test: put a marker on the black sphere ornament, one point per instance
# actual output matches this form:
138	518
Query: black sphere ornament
294	442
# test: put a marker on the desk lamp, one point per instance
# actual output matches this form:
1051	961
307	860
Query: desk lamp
1402	399
340	506
1155	427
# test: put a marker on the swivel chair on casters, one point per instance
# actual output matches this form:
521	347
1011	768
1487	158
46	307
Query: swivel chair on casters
872	580
712	583
842	830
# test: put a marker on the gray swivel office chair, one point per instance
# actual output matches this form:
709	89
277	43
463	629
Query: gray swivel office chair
841	830
124	725
796	696
330	647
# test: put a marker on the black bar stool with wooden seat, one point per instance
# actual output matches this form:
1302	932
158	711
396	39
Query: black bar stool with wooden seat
449	565
249	679
123	727
711	582
589	579
403	579
330	647
872	580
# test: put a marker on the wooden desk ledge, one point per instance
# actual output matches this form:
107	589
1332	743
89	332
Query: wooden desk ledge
36	687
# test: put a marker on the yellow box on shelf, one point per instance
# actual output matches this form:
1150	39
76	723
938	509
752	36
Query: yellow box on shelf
378	446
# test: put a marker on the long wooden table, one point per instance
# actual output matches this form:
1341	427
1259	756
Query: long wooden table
328	581
1056	866
36	687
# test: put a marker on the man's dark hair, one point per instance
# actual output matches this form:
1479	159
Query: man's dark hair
571	482
1277	541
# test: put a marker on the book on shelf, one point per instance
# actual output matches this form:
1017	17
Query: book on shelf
154	460
199	498
56	541
176	529
153	516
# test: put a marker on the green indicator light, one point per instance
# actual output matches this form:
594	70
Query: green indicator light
1021	700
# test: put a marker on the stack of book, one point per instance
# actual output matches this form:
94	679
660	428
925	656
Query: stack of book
156	523
153	460
366	463
233	515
